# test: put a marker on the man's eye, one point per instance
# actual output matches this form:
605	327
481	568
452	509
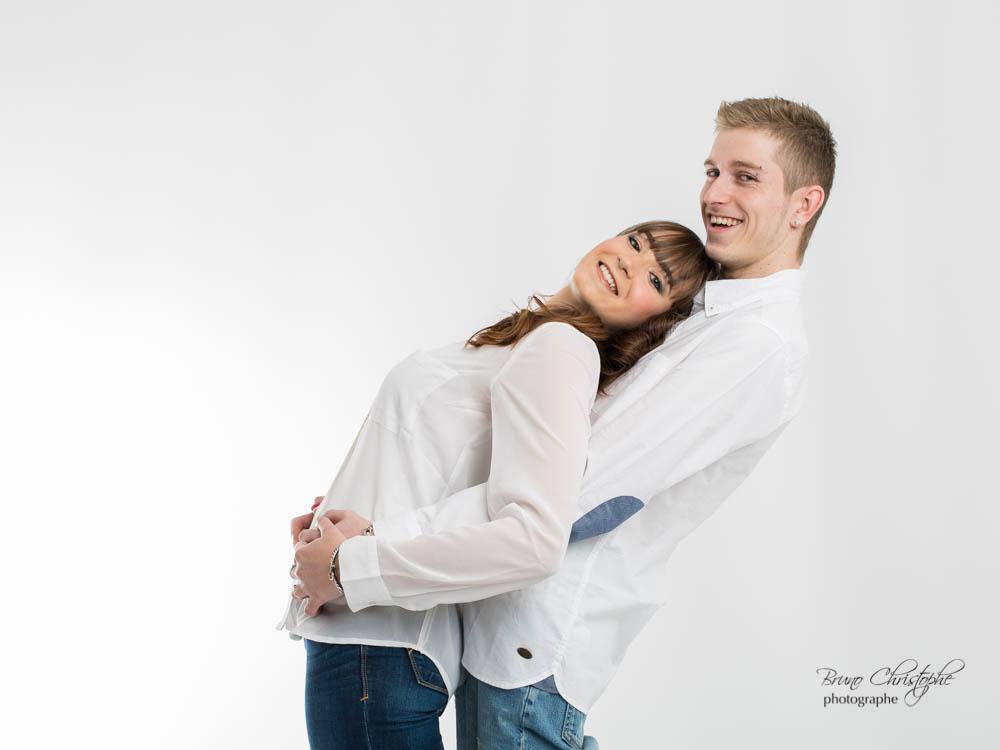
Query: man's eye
712	173
634	243
747	177
656	281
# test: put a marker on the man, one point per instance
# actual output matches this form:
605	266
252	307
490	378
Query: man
677	435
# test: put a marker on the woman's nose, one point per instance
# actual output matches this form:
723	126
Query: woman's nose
623	266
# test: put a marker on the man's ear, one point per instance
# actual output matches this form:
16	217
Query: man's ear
808	200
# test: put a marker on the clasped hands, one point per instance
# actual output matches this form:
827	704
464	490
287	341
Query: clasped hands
313	550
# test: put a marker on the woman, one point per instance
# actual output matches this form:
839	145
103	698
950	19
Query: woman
510	407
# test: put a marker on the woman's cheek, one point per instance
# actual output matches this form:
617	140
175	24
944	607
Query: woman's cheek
645	307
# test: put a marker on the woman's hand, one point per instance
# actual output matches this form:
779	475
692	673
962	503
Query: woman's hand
348	522
301	523
312	566
313	549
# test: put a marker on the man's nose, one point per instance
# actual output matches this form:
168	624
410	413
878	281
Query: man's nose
717	192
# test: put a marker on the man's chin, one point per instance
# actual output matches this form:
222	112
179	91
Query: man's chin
720	252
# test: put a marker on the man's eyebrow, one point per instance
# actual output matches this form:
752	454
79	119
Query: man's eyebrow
739	163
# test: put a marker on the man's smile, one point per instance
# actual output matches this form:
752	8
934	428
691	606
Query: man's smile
717	223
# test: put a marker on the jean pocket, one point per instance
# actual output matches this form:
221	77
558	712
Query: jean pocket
425	672
572	732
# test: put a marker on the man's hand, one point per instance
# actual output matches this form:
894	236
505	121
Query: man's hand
312	566
348	522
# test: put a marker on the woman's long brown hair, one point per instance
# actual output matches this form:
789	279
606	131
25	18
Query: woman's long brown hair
679	252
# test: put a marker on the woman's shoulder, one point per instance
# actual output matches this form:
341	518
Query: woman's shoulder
556	341
557	332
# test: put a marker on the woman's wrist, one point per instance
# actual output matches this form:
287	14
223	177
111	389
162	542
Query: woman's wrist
335	561
335	570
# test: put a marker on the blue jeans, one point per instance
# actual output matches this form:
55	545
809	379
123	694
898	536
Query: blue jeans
491	718
372	698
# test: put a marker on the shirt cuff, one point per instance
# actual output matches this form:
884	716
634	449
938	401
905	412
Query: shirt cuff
360	576
398	527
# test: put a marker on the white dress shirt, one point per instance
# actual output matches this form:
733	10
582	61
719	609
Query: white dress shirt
676	435
513	420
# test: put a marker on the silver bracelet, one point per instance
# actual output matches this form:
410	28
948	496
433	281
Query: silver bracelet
333	570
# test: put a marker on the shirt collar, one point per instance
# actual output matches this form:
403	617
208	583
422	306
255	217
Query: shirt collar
728	294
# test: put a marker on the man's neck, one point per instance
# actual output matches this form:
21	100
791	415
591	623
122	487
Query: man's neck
770	264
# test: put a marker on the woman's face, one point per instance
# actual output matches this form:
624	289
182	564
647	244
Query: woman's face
637	288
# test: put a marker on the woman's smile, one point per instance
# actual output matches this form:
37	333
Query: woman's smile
607	277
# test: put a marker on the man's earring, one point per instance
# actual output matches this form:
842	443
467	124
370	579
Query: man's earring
798	221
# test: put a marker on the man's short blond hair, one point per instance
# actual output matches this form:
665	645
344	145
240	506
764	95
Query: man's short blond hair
807	154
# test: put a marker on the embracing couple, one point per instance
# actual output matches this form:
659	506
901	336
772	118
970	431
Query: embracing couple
500	526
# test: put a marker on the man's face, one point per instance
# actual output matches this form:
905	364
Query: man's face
746	213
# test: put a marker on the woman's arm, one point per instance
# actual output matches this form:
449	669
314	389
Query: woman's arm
540	404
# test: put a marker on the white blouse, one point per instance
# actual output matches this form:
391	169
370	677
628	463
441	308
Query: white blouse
515	418
675	436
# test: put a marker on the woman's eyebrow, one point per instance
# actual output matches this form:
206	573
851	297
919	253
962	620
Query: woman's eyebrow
648	236
666	272
649	243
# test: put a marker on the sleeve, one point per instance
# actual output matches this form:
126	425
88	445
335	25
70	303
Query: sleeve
731	391
540	404
463	508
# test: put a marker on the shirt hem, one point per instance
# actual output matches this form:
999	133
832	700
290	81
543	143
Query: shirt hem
580	706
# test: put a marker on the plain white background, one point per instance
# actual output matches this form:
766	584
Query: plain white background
221	223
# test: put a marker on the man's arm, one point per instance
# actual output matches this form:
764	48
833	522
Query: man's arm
728	393
731	391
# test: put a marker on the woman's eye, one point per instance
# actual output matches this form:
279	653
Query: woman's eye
656	281
635	244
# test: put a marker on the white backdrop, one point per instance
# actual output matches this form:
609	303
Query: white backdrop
221	223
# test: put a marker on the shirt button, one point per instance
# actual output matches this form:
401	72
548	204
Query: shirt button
524	653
